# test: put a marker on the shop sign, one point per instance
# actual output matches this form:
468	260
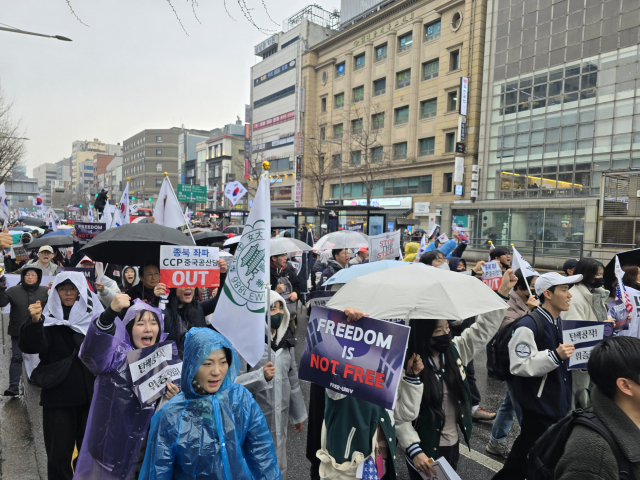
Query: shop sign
420	209
274	73
379	31
464	95
384	202
266	44
285	117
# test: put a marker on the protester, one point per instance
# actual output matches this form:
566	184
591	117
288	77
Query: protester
614	368
319	265
541	379
569	266
274	384
631	276
101	201
213	429
145	292
56	334
44	261
284	280
588	303
27	292
410	251
339	260
520	304
115	448
435	258
446	403
446	248
361	256
129	278
107	288
457	264
503	256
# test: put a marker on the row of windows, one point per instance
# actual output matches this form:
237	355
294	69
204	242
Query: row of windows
395	186
140	141
140	168
274	97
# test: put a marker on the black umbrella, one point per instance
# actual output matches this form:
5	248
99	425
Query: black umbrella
58	241
281	223
135	244
630	257
36	222
209	237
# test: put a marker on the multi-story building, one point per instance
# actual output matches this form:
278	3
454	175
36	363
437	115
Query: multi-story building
187	142
63	173
46	175
559	96
100	163
393	109
277	99
82	153
113	178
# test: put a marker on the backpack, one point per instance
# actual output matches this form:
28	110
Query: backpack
547	451
498	362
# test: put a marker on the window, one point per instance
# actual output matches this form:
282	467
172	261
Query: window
402	115
356	125
337	131
359	62
454	60
377	121
322	133
158	153
452	101
381	52
356	158
274	97
404	78
337	160
456	19
339	100
379	87
323	104
405	42
447	183
158	182
158	138
428	108
376	155
158	167
358	94
400	151
340	70
427	146
432	31
450	142
286	44
430	69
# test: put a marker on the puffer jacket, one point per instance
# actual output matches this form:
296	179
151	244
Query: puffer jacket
329	271
20	297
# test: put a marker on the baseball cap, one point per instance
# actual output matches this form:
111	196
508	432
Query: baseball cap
571	263
363	249
554	278
45	248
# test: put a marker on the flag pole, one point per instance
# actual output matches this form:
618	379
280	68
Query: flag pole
166	175
265	174
526	279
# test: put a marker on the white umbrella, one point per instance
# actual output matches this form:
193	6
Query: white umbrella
342	239
232	241
280	245
417	291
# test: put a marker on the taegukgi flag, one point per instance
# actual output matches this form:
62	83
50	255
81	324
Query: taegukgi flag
234	192
124	206
240	313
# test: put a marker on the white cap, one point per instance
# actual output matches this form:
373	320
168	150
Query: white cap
550	279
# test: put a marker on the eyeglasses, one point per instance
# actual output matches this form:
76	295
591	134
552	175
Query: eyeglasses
152	275
68	291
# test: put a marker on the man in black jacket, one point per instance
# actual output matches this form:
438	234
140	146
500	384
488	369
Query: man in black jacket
284	279
25	293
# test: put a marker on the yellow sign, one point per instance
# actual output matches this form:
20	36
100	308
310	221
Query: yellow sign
398	23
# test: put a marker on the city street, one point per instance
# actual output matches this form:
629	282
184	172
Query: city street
22	454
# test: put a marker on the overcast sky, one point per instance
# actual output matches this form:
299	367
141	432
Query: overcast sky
132	68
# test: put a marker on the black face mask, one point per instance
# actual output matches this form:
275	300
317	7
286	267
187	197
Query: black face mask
598	282
441	343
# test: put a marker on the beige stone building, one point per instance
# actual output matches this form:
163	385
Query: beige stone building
395	78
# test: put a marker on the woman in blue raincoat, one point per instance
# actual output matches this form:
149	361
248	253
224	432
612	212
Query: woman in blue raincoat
213	429
118	425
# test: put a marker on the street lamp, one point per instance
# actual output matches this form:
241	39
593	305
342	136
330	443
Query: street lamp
335	143
16	30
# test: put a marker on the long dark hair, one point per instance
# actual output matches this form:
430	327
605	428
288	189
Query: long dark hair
421	333
630	278
588	268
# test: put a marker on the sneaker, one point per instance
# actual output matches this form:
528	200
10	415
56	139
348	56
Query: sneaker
497	448
12	391
482	414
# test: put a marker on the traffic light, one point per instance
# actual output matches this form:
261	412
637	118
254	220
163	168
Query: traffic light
96	194
80	206
133	198
149	198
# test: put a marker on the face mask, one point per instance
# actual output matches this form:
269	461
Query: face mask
276	320
444	266
598	282
441	343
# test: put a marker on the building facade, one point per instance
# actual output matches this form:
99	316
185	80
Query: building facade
390	99
100	163
46	175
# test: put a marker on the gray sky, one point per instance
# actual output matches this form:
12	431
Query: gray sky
132	68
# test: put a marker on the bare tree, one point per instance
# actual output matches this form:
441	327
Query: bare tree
255	170
320	164
12	146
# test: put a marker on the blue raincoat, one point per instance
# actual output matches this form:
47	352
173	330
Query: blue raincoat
117	424
223	436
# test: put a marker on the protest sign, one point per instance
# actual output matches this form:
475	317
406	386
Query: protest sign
151	368
189	266
362	359
618	311
383	246
89	274
319	298
355	227
86	231
444	471
492	275
19	253
584	335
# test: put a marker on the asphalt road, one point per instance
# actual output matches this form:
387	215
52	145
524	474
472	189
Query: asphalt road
22	454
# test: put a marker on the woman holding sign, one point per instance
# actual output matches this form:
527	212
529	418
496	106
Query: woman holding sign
118	423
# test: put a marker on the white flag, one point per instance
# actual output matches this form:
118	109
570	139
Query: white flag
423	247
106	215
124	206
116	221
240	313
168	211
234	192
519	262
50	219
90	214
4	205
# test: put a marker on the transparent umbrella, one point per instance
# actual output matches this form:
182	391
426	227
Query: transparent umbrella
280	245
342	239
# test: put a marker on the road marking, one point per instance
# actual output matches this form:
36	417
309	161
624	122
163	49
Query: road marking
483	460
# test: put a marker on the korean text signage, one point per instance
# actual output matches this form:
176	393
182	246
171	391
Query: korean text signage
189	266
383	246
285	117
266	44
584	336
273	73
464	95
362	359
394	24
191	193
273	144
151	368
86	231
492	275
